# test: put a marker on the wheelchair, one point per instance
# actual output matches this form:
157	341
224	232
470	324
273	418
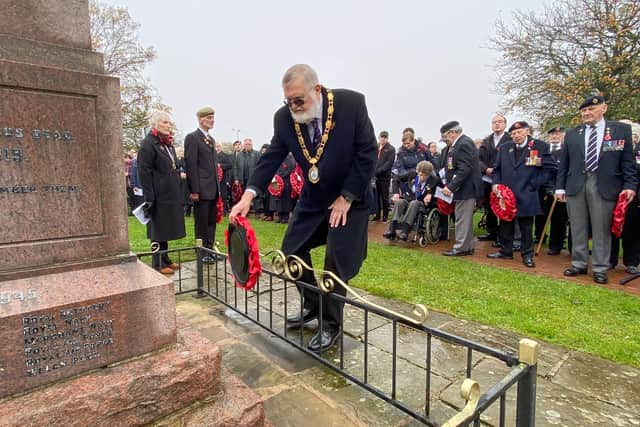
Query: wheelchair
428	226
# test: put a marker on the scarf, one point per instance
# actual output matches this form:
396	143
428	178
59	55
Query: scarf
164	139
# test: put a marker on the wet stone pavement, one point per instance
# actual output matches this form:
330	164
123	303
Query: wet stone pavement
573	388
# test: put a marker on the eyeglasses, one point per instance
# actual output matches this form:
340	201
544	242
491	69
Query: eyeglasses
298	101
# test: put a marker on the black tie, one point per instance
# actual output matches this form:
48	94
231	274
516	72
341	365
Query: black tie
591	161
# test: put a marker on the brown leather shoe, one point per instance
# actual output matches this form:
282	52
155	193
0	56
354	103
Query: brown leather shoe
166	270
174	266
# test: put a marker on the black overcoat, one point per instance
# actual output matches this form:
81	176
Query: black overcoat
462	169
346	167
525	181
201	163
616	169
160	179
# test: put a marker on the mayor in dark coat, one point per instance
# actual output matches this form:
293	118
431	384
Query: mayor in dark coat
160	180
461	178
524	165
596	166
331	136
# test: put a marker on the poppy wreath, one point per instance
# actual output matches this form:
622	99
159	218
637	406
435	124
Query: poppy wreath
445	208
619	214
219	210
296	181
504	204
276	186
220	173
255	268
236	192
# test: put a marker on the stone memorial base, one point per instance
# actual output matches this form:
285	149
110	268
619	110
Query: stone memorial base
180	386
54	326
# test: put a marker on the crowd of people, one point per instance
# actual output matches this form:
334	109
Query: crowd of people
580	181
327	184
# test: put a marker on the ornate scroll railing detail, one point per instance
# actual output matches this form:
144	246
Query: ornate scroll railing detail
293	267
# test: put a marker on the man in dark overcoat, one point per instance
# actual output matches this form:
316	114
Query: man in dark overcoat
386	157
596	166
524	165
488	153
559	219
202	174
462	180
331	136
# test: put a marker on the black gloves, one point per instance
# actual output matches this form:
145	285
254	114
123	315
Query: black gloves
147	208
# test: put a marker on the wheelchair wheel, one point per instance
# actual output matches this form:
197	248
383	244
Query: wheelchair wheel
432	224
422	241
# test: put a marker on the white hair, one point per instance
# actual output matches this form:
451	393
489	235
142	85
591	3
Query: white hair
304	70
456	129
156	116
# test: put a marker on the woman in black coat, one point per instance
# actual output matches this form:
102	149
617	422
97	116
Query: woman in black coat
160	179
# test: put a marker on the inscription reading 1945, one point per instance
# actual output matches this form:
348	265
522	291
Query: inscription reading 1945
67	337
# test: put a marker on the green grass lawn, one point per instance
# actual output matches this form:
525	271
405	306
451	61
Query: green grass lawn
585	318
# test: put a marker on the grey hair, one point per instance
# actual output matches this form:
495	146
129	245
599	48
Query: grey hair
309	74
156	116
456	129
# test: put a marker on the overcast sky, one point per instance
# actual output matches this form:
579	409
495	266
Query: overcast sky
419	63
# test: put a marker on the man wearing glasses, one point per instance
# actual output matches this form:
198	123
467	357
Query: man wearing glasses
331	136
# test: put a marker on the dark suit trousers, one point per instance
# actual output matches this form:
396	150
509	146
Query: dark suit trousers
331	308
558	227
630	238
507	231
382	188
205	212
545	202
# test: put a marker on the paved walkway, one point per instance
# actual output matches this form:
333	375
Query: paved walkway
574	389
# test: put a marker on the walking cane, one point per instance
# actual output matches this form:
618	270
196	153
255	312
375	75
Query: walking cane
546	225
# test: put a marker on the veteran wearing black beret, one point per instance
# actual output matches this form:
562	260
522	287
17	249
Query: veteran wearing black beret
597	165
463	181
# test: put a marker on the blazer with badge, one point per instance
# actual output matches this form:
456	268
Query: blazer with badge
526	174
346	168
462	169
616	170
201	165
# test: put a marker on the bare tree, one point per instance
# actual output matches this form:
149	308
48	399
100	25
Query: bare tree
114	33
552	60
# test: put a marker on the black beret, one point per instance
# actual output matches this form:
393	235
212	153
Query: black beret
448	126
592	100
555	129
384	134
518	125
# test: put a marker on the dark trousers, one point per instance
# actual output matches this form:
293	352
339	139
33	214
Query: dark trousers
205	212
382	189
558	227
630	238
491	220
507	231
160	260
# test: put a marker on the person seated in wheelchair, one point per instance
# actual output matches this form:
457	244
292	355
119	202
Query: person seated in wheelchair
410	198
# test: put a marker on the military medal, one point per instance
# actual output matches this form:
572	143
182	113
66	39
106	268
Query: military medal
314	172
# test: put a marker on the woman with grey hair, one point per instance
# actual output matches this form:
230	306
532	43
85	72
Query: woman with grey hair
160	179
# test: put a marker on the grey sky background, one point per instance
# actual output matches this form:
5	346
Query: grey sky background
419	63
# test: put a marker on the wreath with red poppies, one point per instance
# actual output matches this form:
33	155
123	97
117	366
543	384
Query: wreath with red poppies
503	204
445	208
619	214
255	267
219	210
296	181
277	186
236	192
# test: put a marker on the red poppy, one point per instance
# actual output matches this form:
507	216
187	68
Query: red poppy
445	208
277	186
619	214
504	204
255	267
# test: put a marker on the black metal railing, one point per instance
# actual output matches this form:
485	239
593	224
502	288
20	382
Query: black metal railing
275	296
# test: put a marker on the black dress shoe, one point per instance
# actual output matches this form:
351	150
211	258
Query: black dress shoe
403	235
496	245
600	278
528	261
499	255
632	269
455	252
208	259
487	237
574	271
324	340
553	252
516	248
391	235
297	321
